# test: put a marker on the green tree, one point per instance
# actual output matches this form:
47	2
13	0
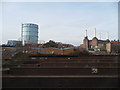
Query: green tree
78	52
51	44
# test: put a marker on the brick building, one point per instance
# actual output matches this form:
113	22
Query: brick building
95	43
113	46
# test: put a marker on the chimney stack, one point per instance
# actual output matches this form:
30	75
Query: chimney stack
86	33
100	36
107	35
95	32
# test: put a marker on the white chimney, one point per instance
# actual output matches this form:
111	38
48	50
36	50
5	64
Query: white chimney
100	36
95	32
107	35
86	33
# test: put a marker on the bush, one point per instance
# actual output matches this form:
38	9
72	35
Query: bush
80	53
50	44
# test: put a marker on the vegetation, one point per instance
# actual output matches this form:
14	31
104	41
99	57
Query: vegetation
21	56
16	60
78	52
51	44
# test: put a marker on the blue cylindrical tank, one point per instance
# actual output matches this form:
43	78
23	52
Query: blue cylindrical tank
29	33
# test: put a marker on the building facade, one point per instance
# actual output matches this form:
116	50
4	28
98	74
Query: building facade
113	46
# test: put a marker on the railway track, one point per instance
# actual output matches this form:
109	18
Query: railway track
63	72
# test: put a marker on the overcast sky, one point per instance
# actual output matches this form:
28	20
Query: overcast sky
61	22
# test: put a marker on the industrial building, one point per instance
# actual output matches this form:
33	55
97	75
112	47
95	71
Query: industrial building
95	43
98	44
29	33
